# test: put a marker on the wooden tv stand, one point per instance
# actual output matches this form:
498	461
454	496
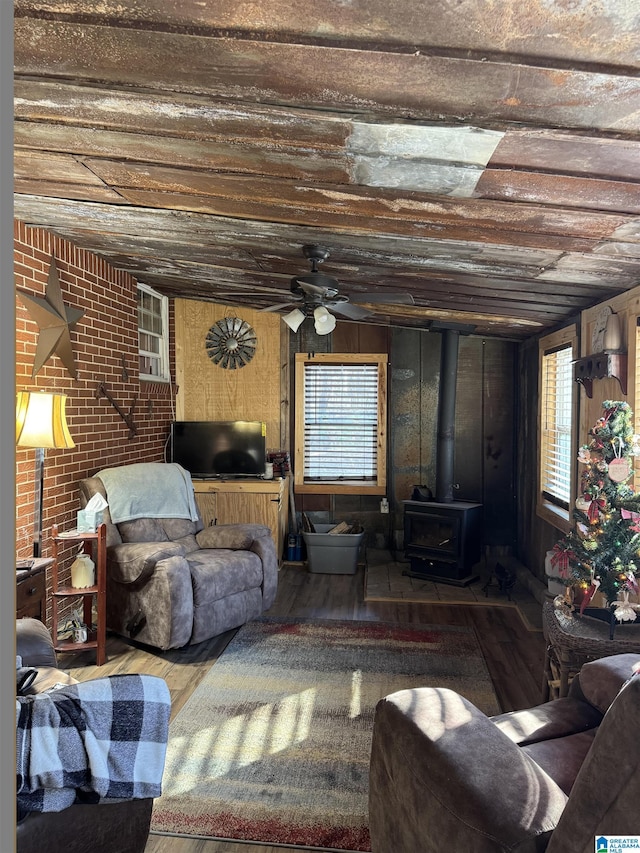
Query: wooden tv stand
248	500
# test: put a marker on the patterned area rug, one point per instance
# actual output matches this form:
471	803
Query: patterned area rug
273	745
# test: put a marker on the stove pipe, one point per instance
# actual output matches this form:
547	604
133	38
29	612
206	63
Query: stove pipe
446	415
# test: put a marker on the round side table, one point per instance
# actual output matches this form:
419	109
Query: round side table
572	639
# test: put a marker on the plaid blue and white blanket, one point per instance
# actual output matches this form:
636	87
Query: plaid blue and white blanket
104	738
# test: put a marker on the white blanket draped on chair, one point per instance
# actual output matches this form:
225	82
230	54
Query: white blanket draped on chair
149	490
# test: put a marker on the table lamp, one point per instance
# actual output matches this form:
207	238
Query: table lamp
40	423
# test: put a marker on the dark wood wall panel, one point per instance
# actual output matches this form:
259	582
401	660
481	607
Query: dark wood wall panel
469	463
498	435
484	427
429	389
358	337
413	392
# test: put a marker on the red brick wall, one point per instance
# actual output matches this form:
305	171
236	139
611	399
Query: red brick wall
104	336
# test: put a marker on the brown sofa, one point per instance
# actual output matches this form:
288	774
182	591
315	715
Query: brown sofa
445	777
172	582
103	828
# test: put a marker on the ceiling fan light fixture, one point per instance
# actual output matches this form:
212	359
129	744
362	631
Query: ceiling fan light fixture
294	319
324	321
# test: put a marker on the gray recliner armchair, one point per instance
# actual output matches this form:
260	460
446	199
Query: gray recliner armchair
170	581
555	777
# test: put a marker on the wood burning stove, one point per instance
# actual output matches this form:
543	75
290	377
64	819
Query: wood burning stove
443	541
443	538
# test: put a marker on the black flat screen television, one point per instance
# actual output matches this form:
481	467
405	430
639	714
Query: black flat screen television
219	448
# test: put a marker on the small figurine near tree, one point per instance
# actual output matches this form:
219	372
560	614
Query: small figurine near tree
602	552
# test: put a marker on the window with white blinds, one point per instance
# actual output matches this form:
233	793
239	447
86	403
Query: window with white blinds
340	422
557	426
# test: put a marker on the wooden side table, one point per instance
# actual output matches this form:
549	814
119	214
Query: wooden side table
573	640
95	544
31	589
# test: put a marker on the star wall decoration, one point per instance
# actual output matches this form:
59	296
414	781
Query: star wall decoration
55	321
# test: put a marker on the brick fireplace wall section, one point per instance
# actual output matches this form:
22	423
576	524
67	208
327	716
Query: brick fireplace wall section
105	346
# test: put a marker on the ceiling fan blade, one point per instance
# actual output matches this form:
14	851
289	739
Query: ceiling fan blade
391	298
280	305
314	288
347	309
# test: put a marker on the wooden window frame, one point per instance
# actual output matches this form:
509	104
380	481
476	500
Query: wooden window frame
163	355
555	515
633	394
353	487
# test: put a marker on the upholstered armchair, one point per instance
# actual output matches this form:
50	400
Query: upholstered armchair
170	581
120	824
445	777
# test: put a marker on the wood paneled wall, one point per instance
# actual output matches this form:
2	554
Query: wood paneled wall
255	392
627	306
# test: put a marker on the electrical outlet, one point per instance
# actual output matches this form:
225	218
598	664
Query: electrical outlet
384	505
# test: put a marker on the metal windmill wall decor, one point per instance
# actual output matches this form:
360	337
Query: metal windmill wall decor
231	343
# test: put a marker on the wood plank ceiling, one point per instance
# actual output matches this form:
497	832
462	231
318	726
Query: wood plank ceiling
480	155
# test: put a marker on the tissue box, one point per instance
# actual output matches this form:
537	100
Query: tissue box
89	520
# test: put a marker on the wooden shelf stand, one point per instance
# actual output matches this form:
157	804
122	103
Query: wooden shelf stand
95	544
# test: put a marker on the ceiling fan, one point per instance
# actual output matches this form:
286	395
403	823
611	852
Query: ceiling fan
318	295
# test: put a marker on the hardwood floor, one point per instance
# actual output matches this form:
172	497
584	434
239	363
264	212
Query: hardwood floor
513	654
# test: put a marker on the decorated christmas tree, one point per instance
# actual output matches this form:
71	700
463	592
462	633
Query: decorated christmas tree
601	554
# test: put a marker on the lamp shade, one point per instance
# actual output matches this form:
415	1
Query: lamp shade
324	321
41	420
293	319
